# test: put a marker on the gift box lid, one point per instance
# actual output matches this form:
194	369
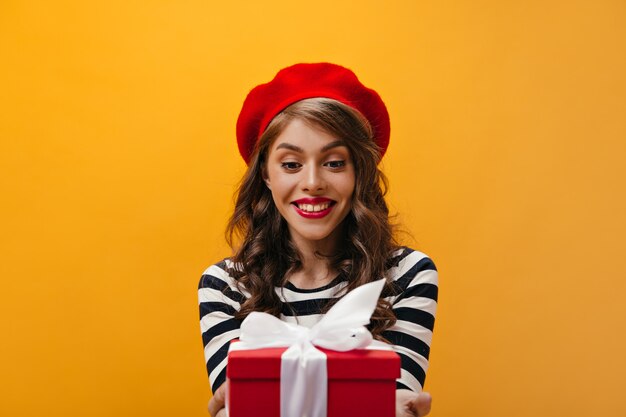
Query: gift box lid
354	364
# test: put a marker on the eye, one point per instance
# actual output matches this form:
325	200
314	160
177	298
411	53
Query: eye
335	164
290	166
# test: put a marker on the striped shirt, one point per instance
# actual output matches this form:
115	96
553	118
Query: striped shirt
414	304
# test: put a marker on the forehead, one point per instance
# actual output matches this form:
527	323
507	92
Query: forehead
302	136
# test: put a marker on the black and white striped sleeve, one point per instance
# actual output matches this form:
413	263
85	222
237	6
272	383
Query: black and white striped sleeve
416	278
218	301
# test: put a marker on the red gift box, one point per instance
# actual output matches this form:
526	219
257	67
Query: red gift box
360	382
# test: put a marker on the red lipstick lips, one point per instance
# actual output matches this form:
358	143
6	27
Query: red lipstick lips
313	208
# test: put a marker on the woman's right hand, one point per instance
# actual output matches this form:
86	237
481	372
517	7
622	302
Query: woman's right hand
218	401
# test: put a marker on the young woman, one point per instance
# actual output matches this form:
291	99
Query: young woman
310	224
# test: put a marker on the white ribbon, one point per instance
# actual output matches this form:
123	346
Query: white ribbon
303	374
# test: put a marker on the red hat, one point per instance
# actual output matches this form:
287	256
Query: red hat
302	81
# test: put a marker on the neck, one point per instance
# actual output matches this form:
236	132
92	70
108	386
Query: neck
316	270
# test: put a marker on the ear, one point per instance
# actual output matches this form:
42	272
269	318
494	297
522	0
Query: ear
265	177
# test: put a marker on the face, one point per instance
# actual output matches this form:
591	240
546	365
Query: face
311	177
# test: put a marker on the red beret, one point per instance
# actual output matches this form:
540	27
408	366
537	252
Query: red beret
302	81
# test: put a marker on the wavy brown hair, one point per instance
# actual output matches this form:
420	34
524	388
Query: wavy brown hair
264	255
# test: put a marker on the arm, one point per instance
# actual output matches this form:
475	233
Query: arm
218	303
416	277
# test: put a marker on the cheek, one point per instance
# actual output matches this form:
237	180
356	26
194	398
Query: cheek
281	188
348	185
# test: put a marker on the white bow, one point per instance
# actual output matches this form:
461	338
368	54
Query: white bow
303	383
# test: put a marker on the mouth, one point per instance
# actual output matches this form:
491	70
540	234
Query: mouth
313	207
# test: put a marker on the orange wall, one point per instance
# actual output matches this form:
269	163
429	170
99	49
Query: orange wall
118	164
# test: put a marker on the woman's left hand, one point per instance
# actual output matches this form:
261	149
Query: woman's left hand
410	404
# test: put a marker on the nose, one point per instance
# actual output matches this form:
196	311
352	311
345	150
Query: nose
313	179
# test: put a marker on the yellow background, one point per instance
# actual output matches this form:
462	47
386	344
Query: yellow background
118	164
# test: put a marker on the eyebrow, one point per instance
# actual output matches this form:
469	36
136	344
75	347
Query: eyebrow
298	149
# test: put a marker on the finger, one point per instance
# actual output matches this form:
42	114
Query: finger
216	403
421	404
213	407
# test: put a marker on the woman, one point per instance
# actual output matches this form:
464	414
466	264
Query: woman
311	224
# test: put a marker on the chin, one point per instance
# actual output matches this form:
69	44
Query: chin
314	236
317	234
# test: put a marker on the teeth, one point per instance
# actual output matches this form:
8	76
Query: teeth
314	208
